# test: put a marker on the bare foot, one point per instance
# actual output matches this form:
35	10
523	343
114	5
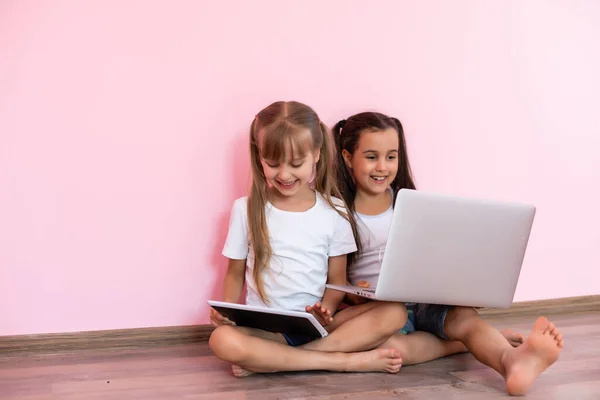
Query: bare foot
525	363
240	372
377	360
514	338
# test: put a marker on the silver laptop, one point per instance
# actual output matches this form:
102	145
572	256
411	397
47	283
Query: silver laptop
452	250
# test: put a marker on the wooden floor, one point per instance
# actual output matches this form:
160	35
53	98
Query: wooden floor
191	372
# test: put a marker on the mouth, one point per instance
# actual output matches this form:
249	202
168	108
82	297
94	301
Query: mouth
287	185
379	179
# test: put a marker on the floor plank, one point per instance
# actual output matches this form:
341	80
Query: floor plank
191	372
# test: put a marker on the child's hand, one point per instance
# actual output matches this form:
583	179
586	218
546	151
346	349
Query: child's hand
216	319
363	284
322	314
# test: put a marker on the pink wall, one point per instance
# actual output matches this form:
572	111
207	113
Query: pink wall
123	135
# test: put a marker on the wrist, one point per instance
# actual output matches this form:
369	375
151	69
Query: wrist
330	305
231	298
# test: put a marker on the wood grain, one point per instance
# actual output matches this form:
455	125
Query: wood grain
190	371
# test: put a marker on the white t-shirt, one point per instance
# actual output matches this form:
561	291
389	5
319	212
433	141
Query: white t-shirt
302	243
373	231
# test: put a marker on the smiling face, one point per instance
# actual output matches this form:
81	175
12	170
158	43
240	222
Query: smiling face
374	162
290	171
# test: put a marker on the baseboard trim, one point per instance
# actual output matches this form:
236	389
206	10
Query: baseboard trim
122	339
117	339
565	305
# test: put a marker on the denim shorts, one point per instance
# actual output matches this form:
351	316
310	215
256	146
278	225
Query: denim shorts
295	340
427	318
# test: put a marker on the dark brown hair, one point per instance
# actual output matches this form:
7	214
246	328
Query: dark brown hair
347	134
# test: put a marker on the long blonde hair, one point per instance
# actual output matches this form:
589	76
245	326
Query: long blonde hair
281	123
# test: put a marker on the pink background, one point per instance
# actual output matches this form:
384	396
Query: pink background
123	129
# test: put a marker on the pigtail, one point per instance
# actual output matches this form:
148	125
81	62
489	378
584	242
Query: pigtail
328	169
257	219
404	179
345	180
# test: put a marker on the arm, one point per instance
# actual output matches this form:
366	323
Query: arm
234	280
236	250
335	276
233	283
342	243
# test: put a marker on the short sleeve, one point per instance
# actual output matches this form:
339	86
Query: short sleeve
236	244
342	241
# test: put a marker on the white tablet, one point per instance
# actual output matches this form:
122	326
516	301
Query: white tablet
272	320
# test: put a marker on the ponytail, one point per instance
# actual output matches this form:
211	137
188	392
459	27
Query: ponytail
257	219
345	180
330	166
404	179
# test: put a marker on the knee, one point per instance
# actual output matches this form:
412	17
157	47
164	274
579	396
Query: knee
462	313
395	315
458	320
400	343
226	343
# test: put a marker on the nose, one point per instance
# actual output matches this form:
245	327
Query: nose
381	164
284	173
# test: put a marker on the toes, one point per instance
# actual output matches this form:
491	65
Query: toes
393	353
541	324
518	338
558	337
393	369
238	371
517	341
514	338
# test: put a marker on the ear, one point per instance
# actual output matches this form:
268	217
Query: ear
317	156
347	158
